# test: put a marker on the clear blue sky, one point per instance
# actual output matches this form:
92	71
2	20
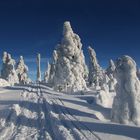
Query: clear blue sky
112	27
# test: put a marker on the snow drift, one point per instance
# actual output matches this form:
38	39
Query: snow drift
3	83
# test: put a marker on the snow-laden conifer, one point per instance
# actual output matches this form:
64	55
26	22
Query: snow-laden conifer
8	71
68	70
22	71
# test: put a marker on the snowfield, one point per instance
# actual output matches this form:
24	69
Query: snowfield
39	113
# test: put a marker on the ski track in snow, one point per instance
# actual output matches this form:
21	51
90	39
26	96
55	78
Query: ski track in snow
41	114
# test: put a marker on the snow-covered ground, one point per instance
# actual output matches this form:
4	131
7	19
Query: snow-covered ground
39	113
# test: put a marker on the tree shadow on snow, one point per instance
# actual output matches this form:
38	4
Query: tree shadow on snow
129	131
124	130
104	111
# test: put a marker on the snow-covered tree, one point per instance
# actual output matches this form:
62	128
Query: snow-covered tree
22	71
104	81
8	71
112	83
126	105
47	73
4	73
52	68
110	72
111	68
68	69
38	68
96	75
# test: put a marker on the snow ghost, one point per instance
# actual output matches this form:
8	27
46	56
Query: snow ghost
126	105
22	71
8	69
68	70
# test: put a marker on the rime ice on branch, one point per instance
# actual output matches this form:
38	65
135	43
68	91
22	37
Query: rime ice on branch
69	63
126	105
22	71
8	69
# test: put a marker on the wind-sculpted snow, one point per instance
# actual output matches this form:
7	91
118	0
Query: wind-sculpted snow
126	106
68	70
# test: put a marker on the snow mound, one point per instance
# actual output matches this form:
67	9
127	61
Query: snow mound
3	83
104	98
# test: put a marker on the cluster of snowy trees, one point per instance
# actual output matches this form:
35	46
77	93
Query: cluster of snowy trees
68	72
12	72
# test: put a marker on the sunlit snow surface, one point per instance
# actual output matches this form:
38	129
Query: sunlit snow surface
37	112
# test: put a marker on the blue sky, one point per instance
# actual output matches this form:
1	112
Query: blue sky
111	27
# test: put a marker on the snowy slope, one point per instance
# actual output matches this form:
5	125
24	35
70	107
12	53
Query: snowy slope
38	112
